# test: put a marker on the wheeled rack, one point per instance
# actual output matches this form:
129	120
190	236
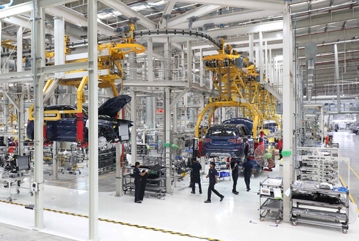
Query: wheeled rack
271	199
155	182
324	207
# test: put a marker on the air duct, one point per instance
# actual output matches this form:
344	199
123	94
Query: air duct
310	54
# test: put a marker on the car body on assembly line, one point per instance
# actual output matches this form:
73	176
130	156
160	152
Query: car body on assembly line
227	139
66	129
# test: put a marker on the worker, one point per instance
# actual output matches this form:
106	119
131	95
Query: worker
213	179
235	170
280	147
246	149
138	176
248	172
196	176
143	185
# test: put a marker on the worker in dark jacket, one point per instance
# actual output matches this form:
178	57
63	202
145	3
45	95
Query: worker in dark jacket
235	172
143	185
246	149
196	176
213	179
248	172
138	176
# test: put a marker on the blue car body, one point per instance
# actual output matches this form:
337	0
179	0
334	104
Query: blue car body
65	130
226	139
247	122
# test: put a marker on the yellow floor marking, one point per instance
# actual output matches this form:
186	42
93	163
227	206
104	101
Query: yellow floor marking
350	196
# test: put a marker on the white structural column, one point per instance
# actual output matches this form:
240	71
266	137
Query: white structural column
167	60
150	100
189	61
266	61
93	119
168	140
288	111
38	60
119	171
336	80
133	77
21	113
19	50
133	129
251	53
260	56
201	68
21	122
59	30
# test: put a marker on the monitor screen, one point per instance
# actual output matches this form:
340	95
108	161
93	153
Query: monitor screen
22	162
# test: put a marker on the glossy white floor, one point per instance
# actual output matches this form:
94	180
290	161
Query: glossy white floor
236	218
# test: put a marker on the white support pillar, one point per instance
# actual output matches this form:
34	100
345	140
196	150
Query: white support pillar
201	68
133	129
168	140
175	118
260	56
266	61
288	111
189	61
151	101
0	46
251	53
119	170
38	61
21	122
167	60
55	165
93	119
59	30
19	67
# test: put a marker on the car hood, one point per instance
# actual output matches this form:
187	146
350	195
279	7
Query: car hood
112	106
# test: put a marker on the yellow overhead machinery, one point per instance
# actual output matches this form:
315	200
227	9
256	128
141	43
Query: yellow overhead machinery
110	68
236	81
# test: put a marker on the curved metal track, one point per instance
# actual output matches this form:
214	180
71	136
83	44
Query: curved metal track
176	32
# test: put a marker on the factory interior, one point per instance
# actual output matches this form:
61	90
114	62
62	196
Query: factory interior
223	120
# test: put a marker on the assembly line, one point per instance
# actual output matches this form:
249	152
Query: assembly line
179	119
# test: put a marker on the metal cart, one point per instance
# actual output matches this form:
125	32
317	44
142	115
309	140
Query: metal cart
271	204
154	185
331	213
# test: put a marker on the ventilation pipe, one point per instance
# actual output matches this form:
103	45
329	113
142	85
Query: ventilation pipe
310	54
336	80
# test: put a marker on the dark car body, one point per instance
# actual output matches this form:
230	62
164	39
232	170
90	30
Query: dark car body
226	139
247	122
65	130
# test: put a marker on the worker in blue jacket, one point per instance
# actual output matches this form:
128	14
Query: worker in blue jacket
213	179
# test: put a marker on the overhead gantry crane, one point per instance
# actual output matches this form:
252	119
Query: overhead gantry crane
236	81
110	69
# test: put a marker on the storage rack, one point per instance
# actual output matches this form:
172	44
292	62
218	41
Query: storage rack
154	185
272	206
106	160
318	212
319	168
315	166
